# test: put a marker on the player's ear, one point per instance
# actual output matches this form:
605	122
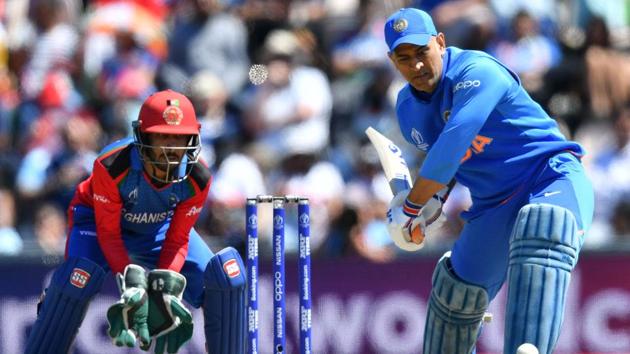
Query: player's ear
440	39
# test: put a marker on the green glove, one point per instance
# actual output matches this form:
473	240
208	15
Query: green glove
128	317
170	322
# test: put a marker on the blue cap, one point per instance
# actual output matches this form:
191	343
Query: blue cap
408	25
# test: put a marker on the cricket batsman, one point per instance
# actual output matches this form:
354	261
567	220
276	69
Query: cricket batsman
532	202
134	216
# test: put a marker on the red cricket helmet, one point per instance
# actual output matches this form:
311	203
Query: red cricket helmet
168	112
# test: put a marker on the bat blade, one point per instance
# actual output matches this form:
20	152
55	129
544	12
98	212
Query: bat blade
394	166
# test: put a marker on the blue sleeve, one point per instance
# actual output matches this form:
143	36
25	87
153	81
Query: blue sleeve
477	90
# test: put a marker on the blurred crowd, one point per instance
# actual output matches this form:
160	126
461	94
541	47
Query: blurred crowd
73	74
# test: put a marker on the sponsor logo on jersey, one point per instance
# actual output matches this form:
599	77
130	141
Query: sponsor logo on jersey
146	218
231	268
418	140
466	84
193	211
79	278
100	198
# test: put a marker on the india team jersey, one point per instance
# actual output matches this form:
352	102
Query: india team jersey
125	202
479	126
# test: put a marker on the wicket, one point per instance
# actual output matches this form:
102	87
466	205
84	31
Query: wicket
278	269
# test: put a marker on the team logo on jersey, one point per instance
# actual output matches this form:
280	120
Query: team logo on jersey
133	195
418	140
172	114
446	115
79	278
400	25
466	84
231	268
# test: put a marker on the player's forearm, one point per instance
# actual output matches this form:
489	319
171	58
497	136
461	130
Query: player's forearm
423	189
173	256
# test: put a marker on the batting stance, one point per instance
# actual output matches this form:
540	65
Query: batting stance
136	211
531	199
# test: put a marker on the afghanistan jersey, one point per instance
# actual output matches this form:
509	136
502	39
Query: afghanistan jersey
479	126
126	202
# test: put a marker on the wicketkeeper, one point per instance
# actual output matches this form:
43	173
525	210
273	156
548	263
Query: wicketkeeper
134	216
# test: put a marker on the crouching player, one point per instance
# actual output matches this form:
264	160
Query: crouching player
135	212
531	199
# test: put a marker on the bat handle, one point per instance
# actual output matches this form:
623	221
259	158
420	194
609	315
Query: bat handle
398	185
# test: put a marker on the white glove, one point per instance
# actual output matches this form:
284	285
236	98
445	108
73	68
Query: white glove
405	218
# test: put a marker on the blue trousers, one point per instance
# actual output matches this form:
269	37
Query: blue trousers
480	255
143	250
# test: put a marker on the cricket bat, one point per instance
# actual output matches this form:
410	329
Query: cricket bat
394	166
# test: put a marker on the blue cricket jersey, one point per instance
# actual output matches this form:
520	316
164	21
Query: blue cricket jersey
479	126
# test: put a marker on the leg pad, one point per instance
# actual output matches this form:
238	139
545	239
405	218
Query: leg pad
224	303
63	306
543	251
454	314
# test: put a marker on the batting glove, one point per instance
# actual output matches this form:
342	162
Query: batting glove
407	221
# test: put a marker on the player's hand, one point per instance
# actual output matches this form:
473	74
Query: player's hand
406	223
128	317
414	218
170	322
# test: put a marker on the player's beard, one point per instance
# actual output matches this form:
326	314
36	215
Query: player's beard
162	163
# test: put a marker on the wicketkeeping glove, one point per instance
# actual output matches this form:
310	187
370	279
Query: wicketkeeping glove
128	317
170	322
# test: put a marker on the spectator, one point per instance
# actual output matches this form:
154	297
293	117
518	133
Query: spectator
206	37
10	240
46	81
468	24
125	80
238	177
51	171
220	121
290	112
528	53
621	222
611	180
50	230
320	181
